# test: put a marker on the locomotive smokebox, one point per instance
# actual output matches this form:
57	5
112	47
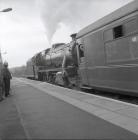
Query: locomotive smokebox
73	36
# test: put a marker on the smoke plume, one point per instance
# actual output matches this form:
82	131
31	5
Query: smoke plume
74	13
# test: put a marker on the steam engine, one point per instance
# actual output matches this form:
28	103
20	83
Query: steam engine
55	64
103	55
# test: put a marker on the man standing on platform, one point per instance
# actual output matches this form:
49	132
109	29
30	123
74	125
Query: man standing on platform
6	79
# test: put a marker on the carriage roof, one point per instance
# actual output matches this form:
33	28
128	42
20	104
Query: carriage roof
121	12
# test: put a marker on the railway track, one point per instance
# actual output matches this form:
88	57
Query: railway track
115	96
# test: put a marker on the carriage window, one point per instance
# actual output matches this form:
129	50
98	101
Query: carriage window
118	31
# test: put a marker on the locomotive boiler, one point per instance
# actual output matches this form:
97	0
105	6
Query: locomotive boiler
57	64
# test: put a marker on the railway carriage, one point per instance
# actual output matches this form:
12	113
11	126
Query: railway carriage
110	60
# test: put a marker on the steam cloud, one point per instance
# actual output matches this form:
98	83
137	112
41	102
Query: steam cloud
74	13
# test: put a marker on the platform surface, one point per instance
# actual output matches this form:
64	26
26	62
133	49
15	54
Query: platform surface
41	110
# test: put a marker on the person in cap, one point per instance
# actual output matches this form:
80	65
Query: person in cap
6	79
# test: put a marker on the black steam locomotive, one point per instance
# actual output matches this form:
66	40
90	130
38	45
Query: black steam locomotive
104	55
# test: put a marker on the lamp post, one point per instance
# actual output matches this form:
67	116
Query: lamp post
6	10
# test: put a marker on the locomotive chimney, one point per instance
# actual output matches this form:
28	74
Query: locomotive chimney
73	36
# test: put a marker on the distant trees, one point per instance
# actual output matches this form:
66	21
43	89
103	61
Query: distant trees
18	71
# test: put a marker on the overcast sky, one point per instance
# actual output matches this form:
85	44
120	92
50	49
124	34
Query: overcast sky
34	25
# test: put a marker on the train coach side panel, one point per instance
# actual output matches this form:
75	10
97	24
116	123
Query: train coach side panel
94	55
113	63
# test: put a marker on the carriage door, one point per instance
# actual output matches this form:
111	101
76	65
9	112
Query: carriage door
81	62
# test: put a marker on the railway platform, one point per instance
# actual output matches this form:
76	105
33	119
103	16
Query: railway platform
39	110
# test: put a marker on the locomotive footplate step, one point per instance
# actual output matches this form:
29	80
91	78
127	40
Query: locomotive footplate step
44	116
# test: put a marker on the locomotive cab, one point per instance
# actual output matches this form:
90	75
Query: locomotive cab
83	79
